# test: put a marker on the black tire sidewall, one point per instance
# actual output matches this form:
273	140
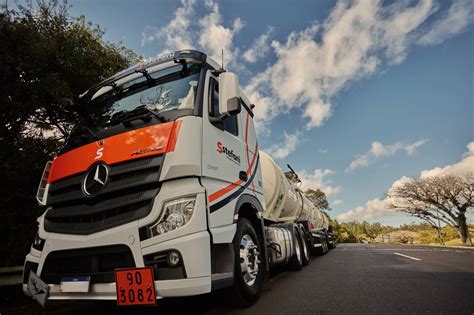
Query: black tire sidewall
248	293
305	257
295	263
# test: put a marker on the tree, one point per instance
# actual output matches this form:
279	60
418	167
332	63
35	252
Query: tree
372	230
45	56
443	198
318	198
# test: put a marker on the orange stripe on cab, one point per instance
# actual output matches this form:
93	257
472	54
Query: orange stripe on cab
134	144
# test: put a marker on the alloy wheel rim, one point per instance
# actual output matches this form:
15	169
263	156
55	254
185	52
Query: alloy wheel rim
298	250
249	259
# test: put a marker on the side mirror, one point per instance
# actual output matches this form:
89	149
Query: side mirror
229	94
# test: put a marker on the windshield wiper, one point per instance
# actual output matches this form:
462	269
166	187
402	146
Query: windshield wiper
81	136
127	116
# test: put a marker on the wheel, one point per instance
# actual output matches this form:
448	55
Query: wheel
326	245
306	255
323	249
296	261
333	244
248	269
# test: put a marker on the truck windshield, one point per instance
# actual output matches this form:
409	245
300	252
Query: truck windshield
173	88
140	95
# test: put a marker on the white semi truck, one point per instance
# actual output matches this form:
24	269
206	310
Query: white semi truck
161	191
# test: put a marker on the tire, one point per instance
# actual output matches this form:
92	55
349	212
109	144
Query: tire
324	248
305	250
333	245
326	245
296	261
248	273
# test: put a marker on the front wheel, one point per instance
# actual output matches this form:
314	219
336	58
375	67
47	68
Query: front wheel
248	270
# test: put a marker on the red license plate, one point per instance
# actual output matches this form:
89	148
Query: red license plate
135	286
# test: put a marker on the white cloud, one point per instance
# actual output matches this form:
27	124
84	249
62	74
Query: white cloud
315	64
260	47
379	150
412	147
176	34
376	208
323	151
337	202
282	150
188	31
463	166
215	37
319	180
452	22
371	211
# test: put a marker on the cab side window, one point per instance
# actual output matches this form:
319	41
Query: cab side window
229	123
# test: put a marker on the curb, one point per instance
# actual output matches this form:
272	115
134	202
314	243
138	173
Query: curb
11	275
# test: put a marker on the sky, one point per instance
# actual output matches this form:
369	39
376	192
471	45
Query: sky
356	95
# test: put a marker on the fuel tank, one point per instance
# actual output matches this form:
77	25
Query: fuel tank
284	201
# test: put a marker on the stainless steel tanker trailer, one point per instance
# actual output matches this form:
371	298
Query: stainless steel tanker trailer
295	227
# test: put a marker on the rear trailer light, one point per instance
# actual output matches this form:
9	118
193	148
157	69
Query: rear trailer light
42	193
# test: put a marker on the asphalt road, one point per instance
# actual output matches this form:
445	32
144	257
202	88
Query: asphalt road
353	278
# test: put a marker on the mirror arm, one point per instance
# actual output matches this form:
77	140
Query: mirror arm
217	72
215	119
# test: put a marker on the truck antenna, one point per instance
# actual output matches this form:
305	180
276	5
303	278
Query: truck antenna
298	180
222	59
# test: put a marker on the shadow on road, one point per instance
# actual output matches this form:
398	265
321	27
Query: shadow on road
13	301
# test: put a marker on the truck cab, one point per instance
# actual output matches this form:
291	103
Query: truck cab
157	173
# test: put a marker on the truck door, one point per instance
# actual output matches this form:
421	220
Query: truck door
224	158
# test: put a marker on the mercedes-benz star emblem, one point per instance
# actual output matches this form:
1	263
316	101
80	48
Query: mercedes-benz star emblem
95	179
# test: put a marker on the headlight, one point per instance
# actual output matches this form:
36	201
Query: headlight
175	214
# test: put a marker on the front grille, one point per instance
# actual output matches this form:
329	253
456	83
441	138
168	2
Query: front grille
128	196
97	262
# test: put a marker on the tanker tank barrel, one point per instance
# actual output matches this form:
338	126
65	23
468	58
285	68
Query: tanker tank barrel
284	200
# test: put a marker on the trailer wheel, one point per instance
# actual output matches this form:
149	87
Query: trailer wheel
248	269
333	244
324	248
296	261
306	255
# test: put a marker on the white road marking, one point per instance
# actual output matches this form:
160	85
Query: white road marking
406	256
408	249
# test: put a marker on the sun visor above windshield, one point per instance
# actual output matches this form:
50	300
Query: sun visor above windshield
189	56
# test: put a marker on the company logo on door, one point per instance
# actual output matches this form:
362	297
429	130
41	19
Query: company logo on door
228	153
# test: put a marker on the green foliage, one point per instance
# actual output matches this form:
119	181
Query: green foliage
416	233
45	56
372	230
318	198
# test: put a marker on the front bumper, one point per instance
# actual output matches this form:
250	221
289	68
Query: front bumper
195	252
192	241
